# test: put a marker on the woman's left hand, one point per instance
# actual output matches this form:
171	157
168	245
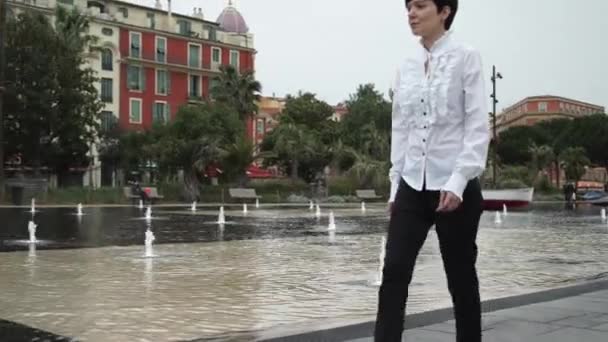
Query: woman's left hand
448	202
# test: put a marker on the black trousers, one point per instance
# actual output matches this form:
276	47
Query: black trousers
414	212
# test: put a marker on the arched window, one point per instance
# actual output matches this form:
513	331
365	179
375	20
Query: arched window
106	60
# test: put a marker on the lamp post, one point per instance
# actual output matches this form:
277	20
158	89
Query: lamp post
3	4
495	76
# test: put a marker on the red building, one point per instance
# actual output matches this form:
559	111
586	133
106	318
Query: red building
161	70
531	110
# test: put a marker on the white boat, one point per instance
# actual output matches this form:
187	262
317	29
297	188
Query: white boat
512	198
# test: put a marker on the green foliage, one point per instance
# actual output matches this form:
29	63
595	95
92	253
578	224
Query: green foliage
368	123
75	195
241	91
575	161
302	141
239	155
511	183
515	172
543	184
52	104
517	144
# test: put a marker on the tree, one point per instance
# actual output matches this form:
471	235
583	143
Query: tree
291	144
301	142
591	133
542	157
198	138
575	161
52	103
240	91
76	124
366	108
305	109
32	86
238	156
514	143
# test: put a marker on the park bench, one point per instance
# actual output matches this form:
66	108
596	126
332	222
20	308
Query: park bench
367	194
243	193
151	191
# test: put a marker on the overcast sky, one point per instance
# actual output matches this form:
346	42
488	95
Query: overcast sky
328	47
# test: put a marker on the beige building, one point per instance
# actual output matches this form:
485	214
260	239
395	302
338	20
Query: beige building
531	110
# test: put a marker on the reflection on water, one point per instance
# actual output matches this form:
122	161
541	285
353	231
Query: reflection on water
270	268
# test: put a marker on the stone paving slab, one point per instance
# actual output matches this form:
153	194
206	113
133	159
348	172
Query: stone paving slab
578	318
575	313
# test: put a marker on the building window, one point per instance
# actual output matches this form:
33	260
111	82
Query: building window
106	90
66	2
135	38
216	55
260	126
234	59
151	20
162	82
160	112
108	121
214	82
542	107
194	56
184	27
107	31
135	111
161	49
212	33
106	60
135	78
124	11
194	86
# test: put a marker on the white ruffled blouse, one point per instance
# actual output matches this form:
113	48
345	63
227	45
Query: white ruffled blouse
440	129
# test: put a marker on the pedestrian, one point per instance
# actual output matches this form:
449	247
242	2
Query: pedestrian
440	137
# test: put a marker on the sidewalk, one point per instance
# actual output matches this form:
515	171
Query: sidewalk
579	318
569	314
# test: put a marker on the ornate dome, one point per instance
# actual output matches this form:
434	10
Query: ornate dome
231	20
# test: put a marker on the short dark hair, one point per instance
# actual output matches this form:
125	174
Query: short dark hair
452	4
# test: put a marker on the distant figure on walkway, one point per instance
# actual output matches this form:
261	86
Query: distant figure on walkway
440	138
569	191
138	191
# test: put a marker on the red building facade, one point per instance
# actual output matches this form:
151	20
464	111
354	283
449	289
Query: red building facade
534	109
160	72
168	59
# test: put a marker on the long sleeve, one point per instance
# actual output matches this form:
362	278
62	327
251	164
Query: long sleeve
398	140
471	161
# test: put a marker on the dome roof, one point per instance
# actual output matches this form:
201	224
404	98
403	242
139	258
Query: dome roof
231	20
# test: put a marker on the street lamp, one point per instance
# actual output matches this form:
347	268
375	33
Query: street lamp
3	11
495	76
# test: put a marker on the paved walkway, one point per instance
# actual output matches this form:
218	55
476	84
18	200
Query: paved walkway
572	319
569	314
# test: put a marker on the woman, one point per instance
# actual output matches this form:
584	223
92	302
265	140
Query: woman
439	147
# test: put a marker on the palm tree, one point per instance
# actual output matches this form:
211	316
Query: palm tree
542	157
240	90
72	28
293	144
574	162
368	171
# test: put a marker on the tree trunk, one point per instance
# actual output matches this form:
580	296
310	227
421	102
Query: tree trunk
557	172
294	170
191	185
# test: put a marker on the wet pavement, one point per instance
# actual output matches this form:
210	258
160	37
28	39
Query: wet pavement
274	267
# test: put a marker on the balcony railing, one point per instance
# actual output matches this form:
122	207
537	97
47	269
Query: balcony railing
172	60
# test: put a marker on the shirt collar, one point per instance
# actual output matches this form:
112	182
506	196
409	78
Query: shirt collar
440	45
